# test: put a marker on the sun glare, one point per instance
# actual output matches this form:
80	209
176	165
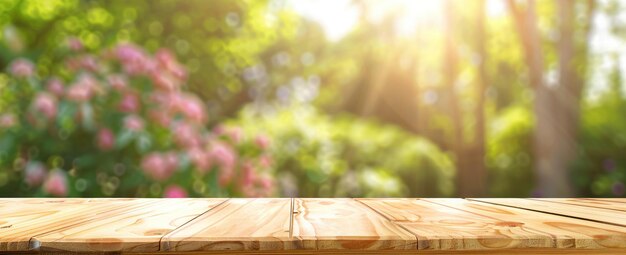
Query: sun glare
338	17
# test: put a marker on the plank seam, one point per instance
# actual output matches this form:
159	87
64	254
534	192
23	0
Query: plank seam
394	222
161	244
557	214
35	244
427	200
291	215
566	203
604	199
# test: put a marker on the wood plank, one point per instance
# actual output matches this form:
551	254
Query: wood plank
136	230
439	227
237	224
307	226
595	214
533	251
619	200
342	223
21	219
611	204
567	232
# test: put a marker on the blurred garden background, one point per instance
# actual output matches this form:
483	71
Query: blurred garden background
312	98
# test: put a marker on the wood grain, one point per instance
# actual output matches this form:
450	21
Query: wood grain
21	219
605	204
341	223
313	226
237	224
565	232
138	229
439	227
613	217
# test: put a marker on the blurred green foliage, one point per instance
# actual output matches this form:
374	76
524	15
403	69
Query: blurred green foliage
319	155
601	167
259	65
216	40
509	156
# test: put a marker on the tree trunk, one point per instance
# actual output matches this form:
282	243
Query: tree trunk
477	171
556	106
449	67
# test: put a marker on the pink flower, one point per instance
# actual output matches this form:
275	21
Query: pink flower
265	161
248	175
7	120
35	173
262	141
133	59
258	186
22	68
161	117
164	57
129	103
83	89
165	81
226	176
235	134
159	166
45	104
133	123
56	184
192	108
167	99
105	139
200	159
127	52
74	44
55	86
171	160
174	191
167	61
222	155
79	93
266	182
219	130
118	82
186	135
87	62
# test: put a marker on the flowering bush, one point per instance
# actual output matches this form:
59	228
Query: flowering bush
340	156
119	123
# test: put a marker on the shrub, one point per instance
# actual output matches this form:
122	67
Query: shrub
118	123
342	156
600	170
509	157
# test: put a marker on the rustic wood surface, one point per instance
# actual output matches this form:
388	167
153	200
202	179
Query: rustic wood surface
342	223
237	224
313	225
604	215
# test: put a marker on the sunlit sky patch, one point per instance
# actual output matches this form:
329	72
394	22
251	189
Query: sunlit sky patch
338	17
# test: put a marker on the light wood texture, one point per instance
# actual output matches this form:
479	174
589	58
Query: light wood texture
589	213
562	231
533	251
619	200
441	227
313	226
342	223
237	224
605	204
134	229
21	219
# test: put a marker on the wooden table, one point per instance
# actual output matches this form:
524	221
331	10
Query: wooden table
312	226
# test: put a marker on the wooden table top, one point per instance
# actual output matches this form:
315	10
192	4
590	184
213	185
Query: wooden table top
313	225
